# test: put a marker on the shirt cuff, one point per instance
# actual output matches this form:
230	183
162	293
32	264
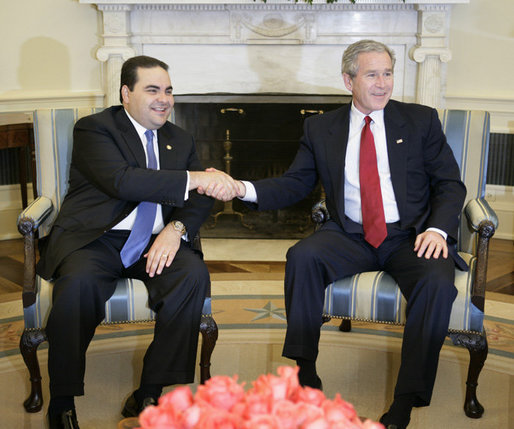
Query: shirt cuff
186	194
251	193
440	231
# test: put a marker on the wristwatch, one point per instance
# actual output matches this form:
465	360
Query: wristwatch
178	226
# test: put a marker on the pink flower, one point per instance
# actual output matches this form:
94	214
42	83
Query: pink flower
180	398
156	418
218	419
338	405
306	412
319	423
310	396
254	405
270	385
285	413
370	424
221	392
272	403
262	422
290	374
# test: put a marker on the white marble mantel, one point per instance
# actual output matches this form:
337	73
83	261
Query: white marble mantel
246	46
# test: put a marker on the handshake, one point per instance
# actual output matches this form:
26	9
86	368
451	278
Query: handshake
217	184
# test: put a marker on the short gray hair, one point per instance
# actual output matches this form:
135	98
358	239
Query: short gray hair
349	64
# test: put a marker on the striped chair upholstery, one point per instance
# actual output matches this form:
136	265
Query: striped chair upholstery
53	129
375	296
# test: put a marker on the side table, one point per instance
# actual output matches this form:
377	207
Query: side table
21	136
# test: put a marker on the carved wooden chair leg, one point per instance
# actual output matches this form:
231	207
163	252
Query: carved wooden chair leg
346	325
29	342
209	331
477	347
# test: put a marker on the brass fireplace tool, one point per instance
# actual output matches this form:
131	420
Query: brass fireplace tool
227	146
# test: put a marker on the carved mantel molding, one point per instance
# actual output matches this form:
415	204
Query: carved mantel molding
420	28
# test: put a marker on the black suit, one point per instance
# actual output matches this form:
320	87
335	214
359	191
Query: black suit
108	178
428	193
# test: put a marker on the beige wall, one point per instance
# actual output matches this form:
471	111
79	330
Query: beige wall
48	54
482	45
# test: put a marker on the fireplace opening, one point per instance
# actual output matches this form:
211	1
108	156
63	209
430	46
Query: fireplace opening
252	137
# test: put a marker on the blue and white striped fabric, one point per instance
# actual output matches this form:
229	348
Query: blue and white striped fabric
375	297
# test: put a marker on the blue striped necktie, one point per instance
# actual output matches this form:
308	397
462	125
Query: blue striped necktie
145	218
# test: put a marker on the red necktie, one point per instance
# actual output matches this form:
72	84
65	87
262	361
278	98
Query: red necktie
373	219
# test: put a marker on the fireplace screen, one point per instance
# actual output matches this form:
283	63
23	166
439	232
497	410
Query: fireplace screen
251	138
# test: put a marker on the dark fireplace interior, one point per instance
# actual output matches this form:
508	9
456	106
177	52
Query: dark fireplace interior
252	137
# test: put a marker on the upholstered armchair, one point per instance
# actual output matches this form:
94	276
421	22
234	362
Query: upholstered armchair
375	296
53	140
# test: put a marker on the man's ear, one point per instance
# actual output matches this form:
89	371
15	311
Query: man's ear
125	93
347	81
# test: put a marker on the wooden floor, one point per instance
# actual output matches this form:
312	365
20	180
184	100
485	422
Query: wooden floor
500	275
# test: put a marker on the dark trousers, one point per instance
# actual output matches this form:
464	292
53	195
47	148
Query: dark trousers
427	284
87	278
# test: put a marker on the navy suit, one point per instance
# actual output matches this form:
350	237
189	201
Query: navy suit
428	192
108	178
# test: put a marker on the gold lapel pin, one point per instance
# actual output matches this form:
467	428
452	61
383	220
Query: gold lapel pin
168	147
399	141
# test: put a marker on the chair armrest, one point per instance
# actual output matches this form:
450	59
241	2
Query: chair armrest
36	212
482	219
479	210
319	213
28	222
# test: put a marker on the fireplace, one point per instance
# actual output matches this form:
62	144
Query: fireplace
252	137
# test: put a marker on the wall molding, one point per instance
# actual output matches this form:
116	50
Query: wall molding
28	101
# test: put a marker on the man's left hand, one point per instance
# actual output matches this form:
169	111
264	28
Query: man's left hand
163	250
431	244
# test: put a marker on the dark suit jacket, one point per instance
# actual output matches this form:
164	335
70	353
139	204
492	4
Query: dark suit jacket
108	178
424	173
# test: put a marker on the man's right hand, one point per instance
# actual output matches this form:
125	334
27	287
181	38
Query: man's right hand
215	183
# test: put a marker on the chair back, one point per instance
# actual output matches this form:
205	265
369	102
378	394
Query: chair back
53	137
467	132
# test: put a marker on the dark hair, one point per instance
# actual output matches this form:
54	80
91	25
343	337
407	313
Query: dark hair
129	70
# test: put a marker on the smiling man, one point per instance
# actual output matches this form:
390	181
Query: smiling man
130	210
394	196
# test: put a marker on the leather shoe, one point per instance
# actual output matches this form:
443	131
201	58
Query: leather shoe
390	425
64	420
133	409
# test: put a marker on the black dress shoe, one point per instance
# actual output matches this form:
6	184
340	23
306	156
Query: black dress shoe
133	409
64	420
383	420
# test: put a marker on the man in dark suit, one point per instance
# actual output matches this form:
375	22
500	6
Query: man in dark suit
130	211
410	232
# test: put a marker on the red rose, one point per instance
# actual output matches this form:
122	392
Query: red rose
262	422
310	396
220	392
180	398
217	418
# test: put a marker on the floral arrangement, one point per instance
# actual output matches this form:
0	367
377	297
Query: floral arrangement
274	402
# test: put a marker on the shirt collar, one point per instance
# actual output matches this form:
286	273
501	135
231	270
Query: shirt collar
357	116
139	128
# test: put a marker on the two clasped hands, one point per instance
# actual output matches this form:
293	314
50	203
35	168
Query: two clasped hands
211	182
216	184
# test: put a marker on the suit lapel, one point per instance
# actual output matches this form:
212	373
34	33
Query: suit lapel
131	137
336	149
397	149
167	148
